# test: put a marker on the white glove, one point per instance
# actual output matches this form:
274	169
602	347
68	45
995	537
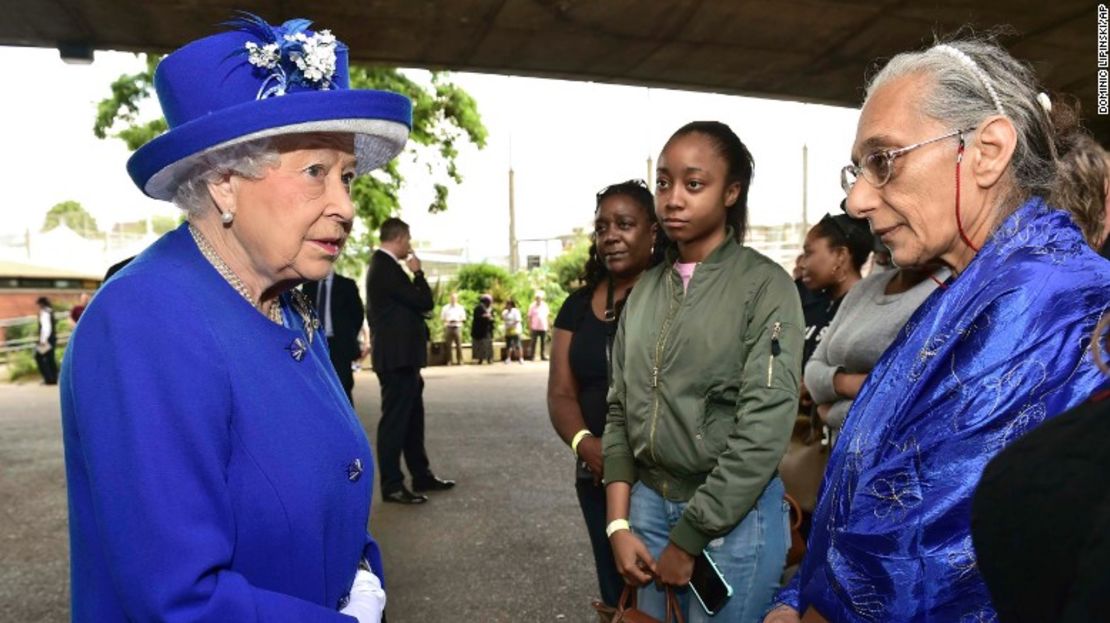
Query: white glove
367	600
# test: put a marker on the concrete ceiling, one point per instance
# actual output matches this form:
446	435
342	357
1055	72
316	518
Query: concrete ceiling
807	50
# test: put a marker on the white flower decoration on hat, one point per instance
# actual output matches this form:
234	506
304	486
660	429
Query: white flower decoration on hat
293	56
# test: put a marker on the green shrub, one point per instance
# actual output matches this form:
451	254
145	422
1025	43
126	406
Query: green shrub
21	364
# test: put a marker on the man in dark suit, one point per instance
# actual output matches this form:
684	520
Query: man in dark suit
396	310
339	308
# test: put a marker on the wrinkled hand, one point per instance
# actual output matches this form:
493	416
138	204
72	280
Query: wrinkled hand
413	262
783	614
675	566
589	450
634	562
367	599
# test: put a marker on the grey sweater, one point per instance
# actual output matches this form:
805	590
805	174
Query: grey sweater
865	325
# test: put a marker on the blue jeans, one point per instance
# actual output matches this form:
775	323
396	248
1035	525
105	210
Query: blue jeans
751	557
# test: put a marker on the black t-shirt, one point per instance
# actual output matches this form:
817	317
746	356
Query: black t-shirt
588	361
1040	520
818	314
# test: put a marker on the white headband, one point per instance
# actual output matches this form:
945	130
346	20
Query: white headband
967	61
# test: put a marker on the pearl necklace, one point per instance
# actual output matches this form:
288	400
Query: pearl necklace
229	275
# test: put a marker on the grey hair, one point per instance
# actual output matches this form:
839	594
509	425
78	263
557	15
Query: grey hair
973	79
249	159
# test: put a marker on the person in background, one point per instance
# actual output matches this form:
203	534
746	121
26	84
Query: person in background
47	342
835	250
807	296
872	314
1082	186
627	240
215	470
538	314
706	364
395	310
512	319
453	316
1048	565
481	330
79	308
954	155
341	313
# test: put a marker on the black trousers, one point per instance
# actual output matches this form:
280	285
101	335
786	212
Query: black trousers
401	429
539	343
48	366
591	498
342	369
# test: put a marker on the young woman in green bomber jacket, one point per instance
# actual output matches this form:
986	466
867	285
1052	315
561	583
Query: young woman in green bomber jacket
706	367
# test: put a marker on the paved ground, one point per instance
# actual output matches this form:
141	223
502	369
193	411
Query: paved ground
508	544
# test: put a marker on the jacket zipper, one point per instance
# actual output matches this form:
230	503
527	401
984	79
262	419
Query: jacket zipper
776	349
659	344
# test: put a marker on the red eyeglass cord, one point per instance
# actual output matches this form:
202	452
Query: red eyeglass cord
959	223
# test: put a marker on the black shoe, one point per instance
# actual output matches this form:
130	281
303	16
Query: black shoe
432	483
404	496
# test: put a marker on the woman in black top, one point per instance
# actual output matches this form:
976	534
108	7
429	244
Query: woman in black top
627	241
481	330
834	252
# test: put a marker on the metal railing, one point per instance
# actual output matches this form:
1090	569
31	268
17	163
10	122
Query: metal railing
9	346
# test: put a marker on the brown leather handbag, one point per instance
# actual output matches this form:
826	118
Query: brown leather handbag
628	613
803	466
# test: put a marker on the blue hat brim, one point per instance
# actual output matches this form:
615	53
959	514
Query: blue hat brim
379	120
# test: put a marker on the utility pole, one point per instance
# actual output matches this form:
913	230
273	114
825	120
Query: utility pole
805	188
514	260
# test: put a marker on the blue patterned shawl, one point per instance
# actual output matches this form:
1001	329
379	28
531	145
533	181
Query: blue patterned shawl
978	364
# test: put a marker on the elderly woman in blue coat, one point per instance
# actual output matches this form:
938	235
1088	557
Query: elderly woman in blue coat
216	470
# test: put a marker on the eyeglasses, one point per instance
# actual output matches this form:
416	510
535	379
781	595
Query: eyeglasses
878	166
601	194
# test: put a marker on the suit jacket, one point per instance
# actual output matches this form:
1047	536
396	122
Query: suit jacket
395	308
237	505
347	314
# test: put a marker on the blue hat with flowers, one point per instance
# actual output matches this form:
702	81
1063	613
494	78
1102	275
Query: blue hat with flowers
257	81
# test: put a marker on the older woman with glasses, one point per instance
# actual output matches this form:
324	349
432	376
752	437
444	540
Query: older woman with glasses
956	151
216	470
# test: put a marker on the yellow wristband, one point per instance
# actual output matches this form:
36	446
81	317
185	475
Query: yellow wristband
578	437
616	526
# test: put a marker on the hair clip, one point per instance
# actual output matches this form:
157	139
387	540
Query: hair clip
1045	102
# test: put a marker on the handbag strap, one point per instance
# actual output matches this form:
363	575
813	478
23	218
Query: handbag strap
627	603
610	326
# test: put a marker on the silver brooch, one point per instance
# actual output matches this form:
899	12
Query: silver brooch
297	348
354	470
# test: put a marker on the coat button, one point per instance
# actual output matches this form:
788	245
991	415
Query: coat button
354	470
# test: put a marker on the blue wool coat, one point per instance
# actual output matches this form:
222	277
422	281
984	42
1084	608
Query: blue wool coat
211	474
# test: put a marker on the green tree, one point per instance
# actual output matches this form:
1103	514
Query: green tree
161	223
570	267
444	118
74	216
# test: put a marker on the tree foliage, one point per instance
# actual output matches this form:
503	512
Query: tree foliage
74	216
445	117
570	267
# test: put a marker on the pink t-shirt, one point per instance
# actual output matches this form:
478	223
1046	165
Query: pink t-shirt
686	271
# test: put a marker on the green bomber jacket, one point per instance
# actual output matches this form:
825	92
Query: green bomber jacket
705	385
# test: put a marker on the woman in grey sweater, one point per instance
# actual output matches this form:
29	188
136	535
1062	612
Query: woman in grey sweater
868	320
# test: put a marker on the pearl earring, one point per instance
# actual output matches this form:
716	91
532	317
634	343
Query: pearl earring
227	216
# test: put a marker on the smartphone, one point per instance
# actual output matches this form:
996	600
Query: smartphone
708	585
